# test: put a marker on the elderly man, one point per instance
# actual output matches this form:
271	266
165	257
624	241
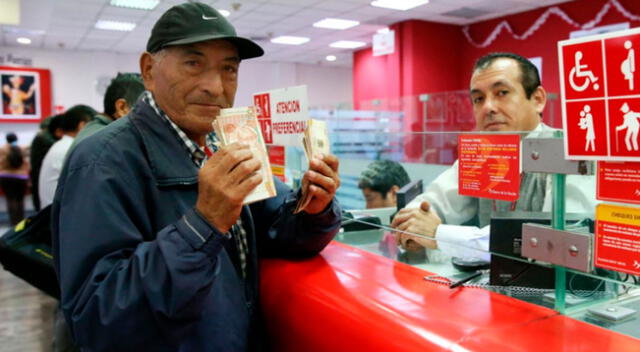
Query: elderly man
159	253
506	96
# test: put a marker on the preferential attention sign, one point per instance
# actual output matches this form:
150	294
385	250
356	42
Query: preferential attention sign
283	115
600	89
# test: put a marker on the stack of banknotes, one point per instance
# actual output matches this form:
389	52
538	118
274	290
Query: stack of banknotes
316	143
241	125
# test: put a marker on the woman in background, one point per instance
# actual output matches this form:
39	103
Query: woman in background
14	173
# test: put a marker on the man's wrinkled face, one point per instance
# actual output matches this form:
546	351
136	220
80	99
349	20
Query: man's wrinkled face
192	83
499	100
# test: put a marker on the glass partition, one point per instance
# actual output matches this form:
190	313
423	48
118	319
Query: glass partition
486	248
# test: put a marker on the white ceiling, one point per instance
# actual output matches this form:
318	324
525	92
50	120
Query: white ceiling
69	24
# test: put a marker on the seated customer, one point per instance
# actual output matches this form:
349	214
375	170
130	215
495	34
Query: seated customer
506	96
380	181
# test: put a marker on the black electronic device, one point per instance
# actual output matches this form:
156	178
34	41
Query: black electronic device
469	264
407	193
506	239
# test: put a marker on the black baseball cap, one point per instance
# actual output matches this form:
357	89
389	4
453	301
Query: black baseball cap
194	22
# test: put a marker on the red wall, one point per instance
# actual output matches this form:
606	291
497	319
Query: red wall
426	58
433	57
543	42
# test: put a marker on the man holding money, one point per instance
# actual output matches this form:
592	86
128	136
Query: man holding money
159	253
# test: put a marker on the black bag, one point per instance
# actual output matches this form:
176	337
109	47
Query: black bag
25	251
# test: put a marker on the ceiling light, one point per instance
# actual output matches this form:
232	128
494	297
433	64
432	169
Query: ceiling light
336	23
331	58
115	25
347	44
23	40
224	13
401	5
290	40
136	4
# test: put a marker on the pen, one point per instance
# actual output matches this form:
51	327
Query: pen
466	279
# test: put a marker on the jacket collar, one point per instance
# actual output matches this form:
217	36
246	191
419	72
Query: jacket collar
169	160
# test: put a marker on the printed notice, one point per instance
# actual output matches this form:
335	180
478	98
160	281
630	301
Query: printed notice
489	166
283	115
277	160
619	181
618	238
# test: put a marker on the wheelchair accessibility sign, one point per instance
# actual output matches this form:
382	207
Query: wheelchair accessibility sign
600	90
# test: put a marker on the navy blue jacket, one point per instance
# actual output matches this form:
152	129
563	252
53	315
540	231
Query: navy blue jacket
139	268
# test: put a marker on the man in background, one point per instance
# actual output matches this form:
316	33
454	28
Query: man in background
506	96
71	123
49	133
119	98
380	182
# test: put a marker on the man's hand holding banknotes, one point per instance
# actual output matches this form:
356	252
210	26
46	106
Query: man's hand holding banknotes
234	175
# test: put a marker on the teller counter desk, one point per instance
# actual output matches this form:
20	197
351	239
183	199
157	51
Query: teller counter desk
347	299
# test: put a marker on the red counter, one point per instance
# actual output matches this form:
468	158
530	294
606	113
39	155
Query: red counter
346	299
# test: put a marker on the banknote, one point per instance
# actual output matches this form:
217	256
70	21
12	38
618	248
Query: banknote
241	125
316	143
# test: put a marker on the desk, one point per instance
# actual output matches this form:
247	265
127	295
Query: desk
347	299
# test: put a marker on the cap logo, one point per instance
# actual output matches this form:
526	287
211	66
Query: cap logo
206	18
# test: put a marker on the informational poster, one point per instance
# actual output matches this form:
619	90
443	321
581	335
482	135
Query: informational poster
25	94
600	90
384	43
489	166
283	115
277	160
617	245
618	181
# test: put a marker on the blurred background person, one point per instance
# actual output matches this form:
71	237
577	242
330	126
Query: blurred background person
119	98
48	134
71	123
14	174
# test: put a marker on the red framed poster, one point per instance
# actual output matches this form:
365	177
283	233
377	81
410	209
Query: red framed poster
489	166
617	245
618	181
26	94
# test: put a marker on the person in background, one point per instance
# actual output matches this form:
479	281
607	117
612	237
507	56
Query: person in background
119	98
14	174
160	253
49	133
506	95
380	182
71	123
